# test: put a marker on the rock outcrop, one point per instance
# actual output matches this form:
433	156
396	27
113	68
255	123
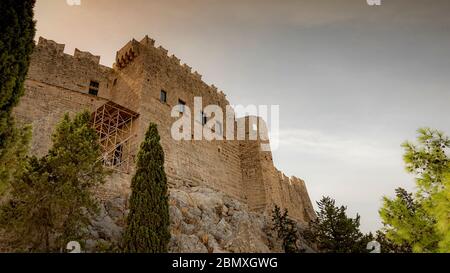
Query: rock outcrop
203	220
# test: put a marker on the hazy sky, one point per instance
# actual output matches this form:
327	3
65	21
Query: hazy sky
353	81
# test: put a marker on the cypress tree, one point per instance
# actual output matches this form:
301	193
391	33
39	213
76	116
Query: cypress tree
148	221
17	30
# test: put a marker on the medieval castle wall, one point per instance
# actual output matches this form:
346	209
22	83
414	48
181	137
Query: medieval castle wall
58	83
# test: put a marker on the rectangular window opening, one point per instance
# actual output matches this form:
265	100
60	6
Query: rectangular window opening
93	88
203	119
93	92
163	96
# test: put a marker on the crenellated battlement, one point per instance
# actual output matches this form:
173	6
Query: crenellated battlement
187	68
163	51
197	76
293	180
175	59
147	42
128	53
86	55
58	50
290	181
51	46
132	49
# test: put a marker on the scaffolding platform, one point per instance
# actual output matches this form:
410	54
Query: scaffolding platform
114	124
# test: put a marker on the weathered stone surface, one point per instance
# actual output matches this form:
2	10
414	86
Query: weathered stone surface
221	223
187	244
106	227
195	228
203	212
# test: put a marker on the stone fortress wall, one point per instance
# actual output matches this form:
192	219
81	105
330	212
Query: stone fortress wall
58	83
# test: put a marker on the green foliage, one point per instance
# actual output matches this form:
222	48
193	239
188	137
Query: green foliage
17	30
441	211
51	203
429	161
422	220
286	230
148	221
332	231
389	246
408	223
13	159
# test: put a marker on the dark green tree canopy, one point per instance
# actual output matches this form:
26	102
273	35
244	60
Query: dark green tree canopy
148	221
52	202
333	231
286	230
17	30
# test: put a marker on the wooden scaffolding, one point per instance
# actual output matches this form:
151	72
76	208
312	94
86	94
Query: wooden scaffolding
114	125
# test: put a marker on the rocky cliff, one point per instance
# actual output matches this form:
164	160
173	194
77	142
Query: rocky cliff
202	221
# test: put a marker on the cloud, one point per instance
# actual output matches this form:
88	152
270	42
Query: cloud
356	169
351	150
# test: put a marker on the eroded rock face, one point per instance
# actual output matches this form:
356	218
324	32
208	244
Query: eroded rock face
220	223
202	221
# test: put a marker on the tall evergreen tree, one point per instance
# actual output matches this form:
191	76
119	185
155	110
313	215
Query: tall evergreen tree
52	202
421	220
333	231
148	221
286	230
17	30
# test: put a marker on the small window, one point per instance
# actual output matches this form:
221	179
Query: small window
204	119
163	96
95	84
93	88
93	91
181	106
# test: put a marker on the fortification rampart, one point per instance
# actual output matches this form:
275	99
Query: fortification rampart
148	82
